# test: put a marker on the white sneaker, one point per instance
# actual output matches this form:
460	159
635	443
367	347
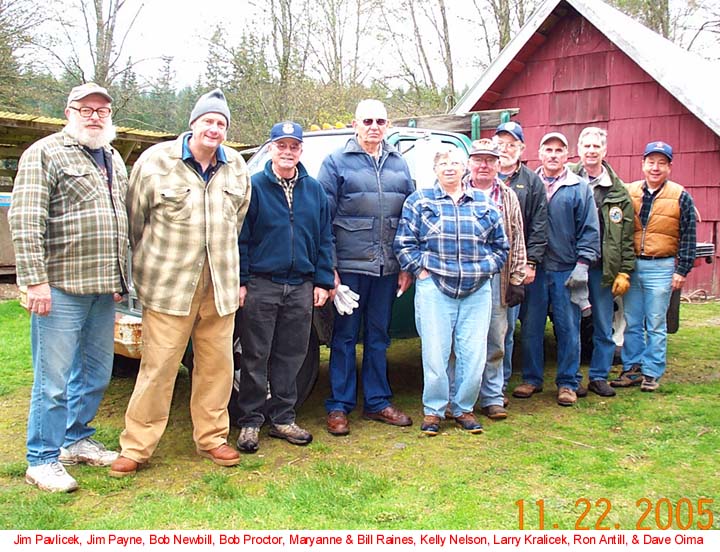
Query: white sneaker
51	477
87	451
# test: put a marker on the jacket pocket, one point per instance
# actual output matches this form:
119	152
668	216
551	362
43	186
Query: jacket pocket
232	200
81	185
430	223
175	203
354	238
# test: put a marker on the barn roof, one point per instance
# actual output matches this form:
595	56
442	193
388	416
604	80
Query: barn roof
691	79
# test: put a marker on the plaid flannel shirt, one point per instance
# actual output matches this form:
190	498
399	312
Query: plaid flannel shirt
460	244
177	222
68	228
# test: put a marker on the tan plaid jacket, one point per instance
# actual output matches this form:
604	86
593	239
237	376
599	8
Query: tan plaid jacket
177	222
67	229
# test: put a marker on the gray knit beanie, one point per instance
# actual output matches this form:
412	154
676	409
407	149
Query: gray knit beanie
212	102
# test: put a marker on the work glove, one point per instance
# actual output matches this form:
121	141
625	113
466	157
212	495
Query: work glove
514	295
577	283
581	297
621	284
346	300
578	277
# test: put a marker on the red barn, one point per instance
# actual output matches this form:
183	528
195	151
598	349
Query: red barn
578	63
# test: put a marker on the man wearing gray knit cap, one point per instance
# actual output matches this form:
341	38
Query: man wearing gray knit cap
186	204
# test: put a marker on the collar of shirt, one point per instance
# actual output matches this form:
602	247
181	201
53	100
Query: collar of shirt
189	158
440	192
647	191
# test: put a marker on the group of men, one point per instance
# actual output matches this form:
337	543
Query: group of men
207	239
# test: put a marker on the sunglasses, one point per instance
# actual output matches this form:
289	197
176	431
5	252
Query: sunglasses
369	122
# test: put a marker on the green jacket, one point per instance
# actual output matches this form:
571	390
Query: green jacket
617	215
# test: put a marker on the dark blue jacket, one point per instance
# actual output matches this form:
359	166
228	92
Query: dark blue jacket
573	227
366	200
289	247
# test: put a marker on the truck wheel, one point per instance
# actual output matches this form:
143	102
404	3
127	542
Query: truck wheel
124	367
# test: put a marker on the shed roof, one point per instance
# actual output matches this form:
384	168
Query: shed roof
19	130
689	78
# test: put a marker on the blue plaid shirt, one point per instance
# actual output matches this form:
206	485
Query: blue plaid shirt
460	244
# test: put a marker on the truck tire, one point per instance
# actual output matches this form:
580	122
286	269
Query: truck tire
125	367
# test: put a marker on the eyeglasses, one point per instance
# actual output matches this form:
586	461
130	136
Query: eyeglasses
87	112
369	122
282	146
506	145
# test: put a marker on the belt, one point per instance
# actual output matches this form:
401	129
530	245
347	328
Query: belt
654	258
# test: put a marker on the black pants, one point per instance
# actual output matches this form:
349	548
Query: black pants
274	338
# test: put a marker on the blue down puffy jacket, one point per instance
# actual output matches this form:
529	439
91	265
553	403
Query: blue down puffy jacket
366	199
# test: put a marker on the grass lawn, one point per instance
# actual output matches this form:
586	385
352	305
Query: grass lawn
623	449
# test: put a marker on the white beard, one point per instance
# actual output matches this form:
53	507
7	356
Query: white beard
90	138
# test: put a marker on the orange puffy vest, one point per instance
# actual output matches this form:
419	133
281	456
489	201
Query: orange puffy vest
661	235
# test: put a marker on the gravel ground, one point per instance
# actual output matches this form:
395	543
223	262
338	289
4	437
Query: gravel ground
8	291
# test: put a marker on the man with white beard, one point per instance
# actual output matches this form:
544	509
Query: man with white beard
70	234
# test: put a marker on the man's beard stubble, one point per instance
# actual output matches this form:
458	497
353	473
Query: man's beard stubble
90	138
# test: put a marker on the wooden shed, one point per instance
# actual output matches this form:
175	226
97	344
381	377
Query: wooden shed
578	63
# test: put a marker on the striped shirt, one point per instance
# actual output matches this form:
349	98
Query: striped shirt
460	244
69	228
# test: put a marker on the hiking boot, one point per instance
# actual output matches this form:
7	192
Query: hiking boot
468	423
649	384
602	388
87	451
430	425
628	378
292	433
566	396
494	412
249	439
51	477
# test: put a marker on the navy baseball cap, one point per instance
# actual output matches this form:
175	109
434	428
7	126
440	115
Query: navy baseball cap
659	147
287	129
511	128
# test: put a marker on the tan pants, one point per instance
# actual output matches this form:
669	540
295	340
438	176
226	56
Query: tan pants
165	338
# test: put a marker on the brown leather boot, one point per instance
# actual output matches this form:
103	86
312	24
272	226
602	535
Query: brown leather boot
123	466
337	423
224	455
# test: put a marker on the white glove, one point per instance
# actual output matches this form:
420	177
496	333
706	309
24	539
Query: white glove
346	300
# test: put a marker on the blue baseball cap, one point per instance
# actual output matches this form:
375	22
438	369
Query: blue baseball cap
286	129
659	147
511	128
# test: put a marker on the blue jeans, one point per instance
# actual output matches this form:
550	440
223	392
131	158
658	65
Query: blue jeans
513	313
646	304
72	355
603	311
549	289
377	294
446	324
491	390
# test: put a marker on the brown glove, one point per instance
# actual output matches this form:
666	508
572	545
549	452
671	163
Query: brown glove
514	295
621	284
